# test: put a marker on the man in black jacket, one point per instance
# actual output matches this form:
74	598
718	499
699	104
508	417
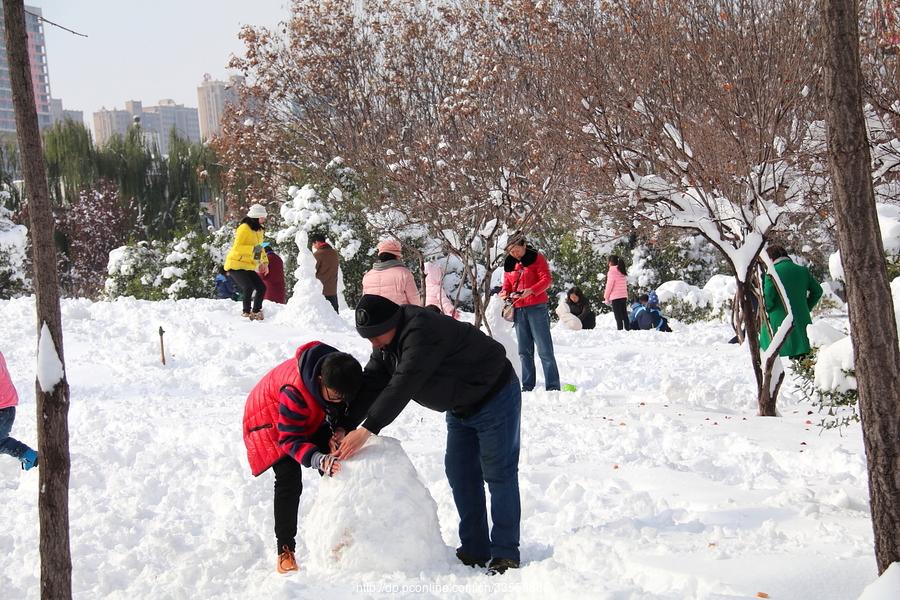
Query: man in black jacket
450	367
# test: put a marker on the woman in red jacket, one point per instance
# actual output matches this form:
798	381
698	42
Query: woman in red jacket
526	278
296	416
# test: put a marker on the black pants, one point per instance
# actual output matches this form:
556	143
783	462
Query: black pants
620	311
334	302
250	281
288	487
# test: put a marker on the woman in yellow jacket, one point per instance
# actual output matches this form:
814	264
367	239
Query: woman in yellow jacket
247	260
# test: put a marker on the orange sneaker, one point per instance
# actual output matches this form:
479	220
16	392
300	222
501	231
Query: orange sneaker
286	561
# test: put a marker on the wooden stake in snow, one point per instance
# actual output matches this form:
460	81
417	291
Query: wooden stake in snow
162	346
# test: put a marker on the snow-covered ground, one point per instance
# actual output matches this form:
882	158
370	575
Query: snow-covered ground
653	480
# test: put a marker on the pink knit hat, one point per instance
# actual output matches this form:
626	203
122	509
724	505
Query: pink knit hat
390	246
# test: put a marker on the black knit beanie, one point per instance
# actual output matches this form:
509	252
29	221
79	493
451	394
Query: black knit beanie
375	315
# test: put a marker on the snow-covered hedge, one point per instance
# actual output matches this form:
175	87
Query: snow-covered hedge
183	268
688	303
14	279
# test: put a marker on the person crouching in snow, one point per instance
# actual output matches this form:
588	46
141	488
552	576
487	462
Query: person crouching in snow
453	368
581	308
566	318
8	401
295	416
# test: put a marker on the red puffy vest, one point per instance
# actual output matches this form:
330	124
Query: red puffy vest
261	412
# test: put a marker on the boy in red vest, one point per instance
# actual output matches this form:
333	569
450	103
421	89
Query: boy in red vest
297	415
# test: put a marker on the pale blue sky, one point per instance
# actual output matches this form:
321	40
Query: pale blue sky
144	50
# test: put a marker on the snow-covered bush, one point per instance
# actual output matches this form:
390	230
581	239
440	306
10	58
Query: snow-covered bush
183	268
576	261
335	217
687	258
14	279
133	270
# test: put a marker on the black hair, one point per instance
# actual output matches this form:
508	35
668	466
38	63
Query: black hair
775	251
577	291
644	298
434	308
517	239
253	223
342	372
316	237
618	262
386	256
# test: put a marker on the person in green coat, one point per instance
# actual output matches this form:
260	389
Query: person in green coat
803	293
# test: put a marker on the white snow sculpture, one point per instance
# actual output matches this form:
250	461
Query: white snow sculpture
375	515
307	306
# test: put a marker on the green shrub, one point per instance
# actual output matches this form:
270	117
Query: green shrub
838	409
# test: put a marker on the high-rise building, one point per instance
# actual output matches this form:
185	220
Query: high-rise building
157	122
40	76
212	99
58	113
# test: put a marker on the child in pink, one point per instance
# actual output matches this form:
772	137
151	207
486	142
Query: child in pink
8	401
616	293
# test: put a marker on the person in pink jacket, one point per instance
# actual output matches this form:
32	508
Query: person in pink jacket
9	399
616	294
389	277
434	290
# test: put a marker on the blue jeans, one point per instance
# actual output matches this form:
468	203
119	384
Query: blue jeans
533	329
9	445
484	448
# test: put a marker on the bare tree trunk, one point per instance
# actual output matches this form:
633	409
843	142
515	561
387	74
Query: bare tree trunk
876	354
52	406
766	399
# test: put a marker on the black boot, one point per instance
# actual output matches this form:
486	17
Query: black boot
500	565
470	561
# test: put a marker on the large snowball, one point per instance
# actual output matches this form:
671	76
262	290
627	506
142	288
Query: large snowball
375	515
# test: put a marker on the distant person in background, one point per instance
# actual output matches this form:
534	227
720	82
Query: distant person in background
328	262
580	307
616	293
274	277
8	401
389	277
225	288
434	290
246	261
526	279
803	293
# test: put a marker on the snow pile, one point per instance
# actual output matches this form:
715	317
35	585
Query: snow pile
889	224
566	318
503	331
835	357
886	587
375	515
683	291
821	334
720	290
